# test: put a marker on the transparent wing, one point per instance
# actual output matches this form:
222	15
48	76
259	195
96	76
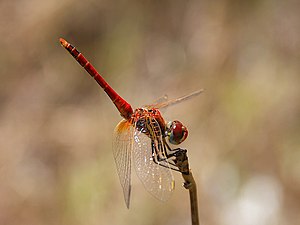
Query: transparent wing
164	102
157	179
160	100
122	147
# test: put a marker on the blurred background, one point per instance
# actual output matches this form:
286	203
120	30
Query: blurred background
56	124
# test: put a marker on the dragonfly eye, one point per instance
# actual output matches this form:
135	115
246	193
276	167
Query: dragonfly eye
176	132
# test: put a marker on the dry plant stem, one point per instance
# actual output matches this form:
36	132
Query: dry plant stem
190	184
182	163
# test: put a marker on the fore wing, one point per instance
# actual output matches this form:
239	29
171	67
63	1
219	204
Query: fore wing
164	102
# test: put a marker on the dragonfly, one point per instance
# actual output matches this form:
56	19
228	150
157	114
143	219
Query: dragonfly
142	136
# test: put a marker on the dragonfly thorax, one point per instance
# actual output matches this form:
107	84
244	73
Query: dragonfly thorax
149	121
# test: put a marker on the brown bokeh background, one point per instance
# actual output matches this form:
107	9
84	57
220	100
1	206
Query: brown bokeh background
56	124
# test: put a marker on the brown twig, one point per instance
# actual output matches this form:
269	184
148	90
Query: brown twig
189	182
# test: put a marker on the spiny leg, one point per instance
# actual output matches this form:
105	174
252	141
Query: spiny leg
164	162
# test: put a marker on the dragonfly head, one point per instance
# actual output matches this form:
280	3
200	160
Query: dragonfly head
176	132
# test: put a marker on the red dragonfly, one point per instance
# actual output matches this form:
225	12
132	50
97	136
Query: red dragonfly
142	135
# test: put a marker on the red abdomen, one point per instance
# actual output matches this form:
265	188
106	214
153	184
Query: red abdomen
124	107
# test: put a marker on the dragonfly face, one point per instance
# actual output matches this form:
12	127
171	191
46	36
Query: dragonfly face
176	132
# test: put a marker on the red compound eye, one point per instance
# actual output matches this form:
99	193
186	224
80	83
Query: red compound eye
177	132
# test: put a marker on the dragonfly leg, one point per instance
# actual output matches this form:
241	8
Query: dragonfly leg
158	151
178	159
181	160
166	144
167	165
168	160
160	157
177	152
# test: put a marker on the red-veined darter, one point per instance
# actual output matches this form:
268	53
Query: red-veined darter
142	137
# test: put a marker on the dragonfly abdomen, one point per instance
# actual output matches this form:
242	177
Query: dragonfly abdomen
123	106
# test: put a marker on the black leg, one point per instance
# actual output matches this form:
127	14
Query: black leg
171	160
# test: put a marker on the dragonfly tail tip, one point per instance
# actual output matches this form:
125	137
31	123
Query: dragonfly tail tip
63	42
